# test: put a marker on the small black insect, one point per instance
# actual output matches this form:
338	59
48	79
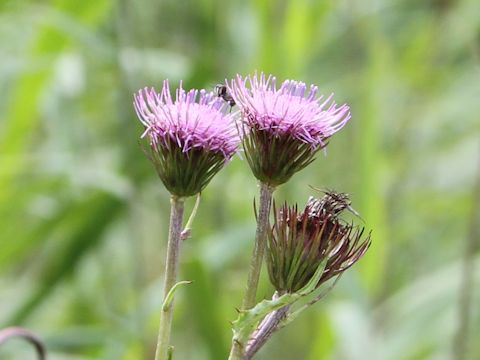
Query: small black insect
222	92
332	203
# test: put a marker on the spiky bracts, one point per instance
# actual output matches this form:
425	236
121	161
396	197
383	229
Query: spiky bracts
190	138
283	128
299	242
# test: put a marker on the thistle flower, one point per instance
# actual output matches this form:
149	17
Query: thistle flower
283	128
190	138
300	242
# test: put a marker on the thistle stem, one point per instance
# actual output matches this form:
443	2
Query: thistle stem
266	193
265	330
249	299
171	269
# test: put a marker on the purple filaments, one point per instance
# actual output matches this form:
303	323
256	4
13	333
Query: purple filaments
289	110
194	120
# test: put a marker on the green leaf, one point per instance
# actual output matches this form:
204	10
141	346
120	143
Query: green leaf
171	293
248	320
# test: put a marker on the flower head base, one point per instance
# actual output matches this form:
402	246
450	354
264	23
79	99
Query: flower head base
191	138
300	242
283	128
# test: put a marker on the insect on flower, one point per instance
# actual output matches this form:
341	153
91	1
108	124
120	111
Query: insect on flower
301	241
190	135
222	92
334	203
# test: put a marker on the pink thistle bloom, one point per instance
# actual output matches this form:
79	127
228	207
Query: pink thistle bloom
191	123
288	124
191	138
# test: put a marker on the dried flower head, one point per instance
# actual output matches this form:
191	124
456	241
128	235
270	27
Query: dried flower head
283	128
300	242
191	138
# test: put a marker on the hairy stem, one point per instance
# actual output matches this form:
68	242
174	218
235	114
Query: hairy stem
171	269
249	299
266	193
265	330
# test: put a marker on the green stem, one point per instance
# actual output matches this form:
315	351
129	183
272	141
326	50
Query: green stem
249	300
266	193
265	330
171	269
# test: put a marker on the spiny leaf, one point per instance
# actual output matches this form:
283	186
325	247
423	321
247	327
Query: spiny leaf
248	320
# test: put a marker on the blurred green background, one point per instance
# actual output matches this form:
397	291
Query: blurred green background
83	217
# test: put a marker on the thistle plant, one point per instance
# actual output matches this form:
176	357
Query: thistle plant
282	130
305	250
189	140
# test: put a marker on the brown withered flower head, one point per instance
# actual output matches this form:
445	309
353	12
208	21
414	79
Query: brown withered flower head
300	242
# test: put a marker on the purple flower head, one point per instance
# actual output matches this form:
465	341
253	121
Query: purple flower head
191	138
299	242
283	128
